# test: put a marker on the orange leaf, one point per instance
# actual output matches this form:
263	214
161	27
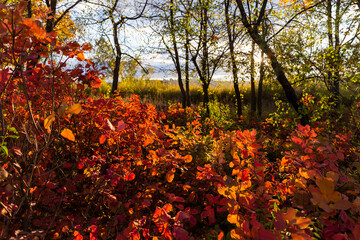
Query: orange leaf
221	235
307	173
68	134
34	27
168	207
300	235
300	222
74	109
234	234
102	139
326	185
80	56
77	236
148	141
232	218
55	236
170	175
188	158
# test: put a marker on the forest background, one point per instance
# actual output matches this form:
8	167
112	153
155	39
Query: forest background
272	153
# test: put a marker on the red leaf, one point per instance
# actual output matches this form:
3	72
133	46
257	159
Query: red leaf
51	185
356	231
297	140
67	165
221	235
77	236
266	234
121	126
3	75
129	177
80	165
102	139
180	233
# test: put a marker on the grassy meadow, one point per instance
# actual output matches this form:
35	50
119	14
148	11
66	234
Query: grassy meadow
164	93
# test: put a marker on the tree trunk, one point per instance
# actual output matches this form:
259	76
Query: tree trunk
205	57
252	81
233	60
206	99
176	57
187	59
117	59
51	16
260	86
281	77
337	67
279	72
29	8
187	70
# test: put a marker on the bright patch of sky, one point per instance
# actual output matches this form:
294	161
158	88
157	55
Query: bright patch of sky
138	39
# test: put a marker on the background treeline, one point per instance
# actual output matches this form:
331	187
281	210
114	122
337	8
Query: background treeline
291	44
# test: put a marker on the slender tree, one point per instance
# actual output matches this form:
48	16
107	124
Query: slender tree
232	36
252	81
115	14
252	22
53	19
207	54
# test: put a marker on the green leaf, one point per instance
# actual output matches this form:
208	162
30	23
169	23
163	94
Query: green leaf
12	136
4	150
12	129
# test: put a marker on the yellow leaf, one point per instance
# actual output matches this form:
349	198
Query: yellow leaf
232	218
74	109
48	121
307	173
68	134
234	234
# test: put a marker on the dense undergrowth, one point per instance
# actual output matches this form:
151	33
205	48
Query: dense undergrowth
132	172
74	166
